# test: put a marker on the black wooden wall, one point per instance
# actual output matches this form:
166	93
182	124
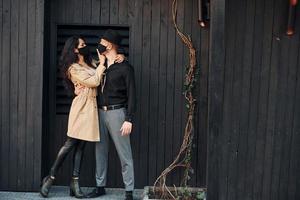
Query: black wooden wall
254	88
21	76
159	59
254	111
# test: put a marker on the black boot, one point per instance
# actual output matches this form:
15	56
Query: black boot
75	189
128	195
46	185
97	192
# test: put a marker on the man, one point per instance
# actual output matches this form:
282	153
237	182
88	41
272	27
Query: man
116	99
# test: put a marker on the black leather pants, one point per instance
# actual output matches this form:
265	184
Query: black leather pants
64	151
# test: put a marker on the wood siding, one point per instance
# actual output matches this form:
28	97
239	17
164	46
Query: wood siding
21	65
254	126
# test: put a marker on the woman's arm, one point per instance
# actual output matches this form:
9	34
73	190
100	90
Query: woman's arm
81	76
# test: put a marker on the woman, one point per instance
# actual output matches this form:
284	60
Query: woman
77	69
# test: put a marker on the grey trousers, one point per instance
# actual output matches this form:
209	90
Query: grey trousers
110	124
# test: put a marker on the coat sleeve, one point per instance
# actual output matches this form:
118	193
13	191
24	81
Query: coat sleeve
80	75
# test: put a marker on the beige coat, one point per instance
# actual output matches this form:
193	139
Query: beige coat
83	118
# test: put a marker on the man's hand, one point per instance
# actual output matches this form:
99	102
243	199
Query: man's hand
120	58
78	88
126	128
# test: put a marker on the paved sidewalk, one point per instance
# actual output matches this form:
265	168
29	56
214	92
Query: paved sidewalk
62	192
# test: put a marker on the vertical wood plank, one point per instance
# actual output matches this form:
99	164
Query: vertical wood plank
279	118
1	68
162	75
38	92
153	90
46	69
289	100
201	91
105	12
5	84
135	16
145	86
95	11
22	84
87	11
263	98
77	14
253	137
58	10
113	12
170	91
272	101
31	94
294	183
13	89
228	101
51	124
179	68
289	133
294	147
237	80
123	12
216	74
245	101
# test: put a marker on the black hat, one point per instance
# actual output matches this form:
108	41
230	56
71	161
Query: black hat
112	36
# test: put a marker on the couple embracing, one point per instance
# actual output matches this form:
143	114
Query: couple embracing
103	106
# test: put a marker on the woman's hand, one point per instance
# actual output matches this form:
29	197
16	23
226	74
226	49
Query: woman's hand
120	58
78	88
101	58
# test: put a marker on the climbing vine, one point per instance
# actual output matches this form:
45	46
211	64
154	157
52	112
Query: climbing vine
183	158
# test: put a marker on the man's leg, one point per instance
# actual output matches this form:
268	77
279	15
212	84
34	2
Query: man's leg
115	119
101	152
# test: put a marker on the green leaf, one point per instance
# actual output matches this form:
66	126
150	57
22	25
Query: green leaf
200	195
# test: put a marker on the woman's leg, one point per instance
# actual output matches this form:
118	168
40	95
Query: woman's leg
62	154
77	157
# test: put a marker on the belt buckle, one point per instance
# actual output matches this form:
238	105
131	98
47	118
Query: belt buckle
104	108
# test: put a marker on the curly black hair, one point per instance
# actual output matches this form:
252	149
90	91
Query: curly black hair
68	57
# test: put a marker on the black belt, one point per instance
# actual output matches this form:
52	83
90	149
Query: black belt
112	107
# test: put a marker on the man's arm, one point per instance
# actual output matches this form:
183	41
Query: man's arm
131	96
131	101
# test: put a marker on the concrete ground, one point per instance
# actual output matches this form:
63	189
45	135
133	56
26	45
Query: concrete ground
61	192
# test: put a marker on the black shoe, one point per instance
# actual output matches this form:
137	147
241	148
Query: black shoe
75	189
128	195
46	185
97	192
